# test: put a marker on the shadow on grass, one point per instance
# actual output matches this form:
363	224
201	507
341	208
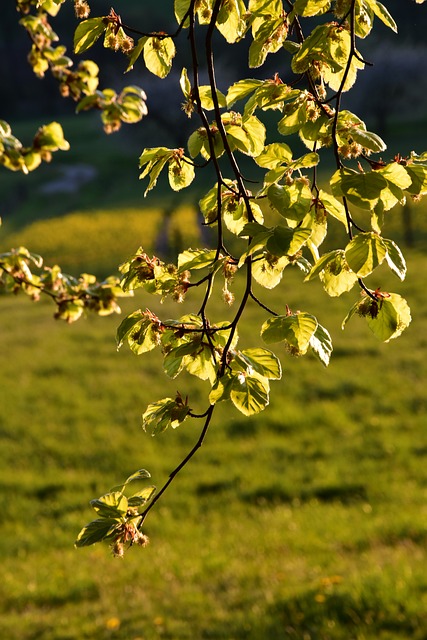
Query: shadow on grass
277	494
316	615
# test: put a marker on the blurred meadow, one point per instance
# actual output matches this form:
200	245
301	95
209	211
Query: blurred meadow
307	522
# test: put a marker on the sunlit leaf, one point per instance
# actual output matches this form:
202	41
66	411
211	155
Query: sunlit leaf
158	55
297	329
292	201
221	389
95	531
383	13
364	253
321	344
392	318
111	505
311	7
206	99
196	259
273	155
268	271
163	414
395	259
241	89
362	189
181	173
141	497
249	393
87	33
263	362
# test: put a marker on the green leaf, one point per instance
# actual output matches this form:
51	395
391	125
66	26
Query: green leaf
364	253
111	505
230	22
196	142
256	134
418	175
163	414
209	205
202	364
383	14
126	325
136	52
273	155
387	316
158	55
185	83
297	329
181	7
181	173
309	50
142	497
50	137
392	319
268	38
305	162
173	363
95	531
246	134
292	201
395	259
295	117
335	274
316	134
221	389
141	474
362	189
154	159
396	174
268	271
196	259
311	7
368	140
206	99
286	241
241	89
87	33
333	206
259	234
235	216
263	362
141	330
321	344
249	393
339	50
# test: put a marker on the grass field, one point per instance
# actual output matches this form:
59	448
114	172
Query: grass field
307	522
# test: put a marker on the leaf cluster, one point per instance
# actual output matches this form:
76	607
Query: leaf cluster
17	157
23	271
119	517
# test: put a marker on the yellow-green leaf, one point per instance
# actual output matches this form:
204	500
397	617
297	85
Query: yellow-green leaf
393	317
249	393
158	55
297	329
87	33
365	253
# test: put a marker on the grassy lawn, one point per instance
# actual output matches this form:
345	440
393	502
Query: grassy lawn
307	522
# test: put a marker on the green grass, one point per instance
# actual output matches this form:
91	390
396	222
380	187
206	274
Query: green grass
307	522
